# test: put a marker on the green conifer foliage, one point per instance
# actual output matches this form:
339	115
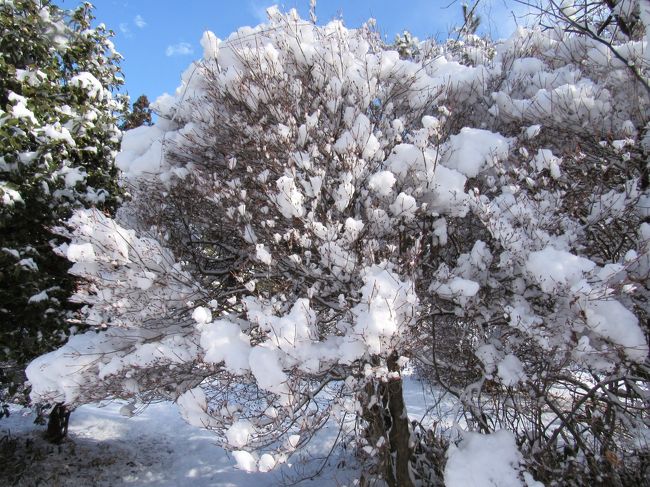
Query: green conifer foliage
139	115
58	140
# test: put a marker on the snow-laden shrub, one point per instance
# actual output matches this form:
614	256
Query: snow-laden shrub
311	211
554	344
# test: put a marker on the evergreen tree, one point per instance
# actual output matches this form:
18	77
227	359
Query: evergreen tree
139	115
406	45
58	140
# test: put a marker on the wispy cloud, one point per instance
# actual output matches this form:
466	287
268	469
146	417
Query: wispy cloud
180	49
124	28
139	22
258	9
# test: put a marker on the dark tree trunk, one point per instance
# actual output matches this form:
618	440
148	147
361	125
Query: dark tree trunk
399	433
57	425
387	418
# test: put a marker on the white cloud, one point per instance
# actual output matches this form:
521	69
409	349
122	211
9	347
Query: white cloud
139	22
258	8
124	28
180	49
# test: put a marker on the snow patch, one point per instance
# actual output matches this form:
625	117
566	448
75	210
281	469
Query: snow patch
484	461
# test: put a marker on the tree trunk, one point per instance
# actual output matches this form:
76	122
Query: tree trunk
57	425
387	419
399	433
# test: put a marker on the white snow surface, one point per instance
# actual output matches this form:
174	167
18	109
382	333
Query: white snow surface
472	149
610	319
106	447
155	447
484	461
224	341
551	267
141	151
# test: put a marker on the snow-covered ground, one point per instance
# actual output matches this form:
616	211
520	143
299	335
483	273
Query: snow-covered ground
153	448
156	447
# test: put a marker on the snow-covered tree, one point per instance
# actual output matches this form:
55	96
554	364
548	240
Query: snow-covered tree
310	212
554	344
58	141
406	44
139	115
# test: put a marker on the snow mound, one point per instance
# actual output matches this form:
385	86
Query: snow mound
484	461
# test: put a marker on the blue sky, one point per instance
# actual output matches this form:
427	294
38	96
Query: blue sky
160	38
